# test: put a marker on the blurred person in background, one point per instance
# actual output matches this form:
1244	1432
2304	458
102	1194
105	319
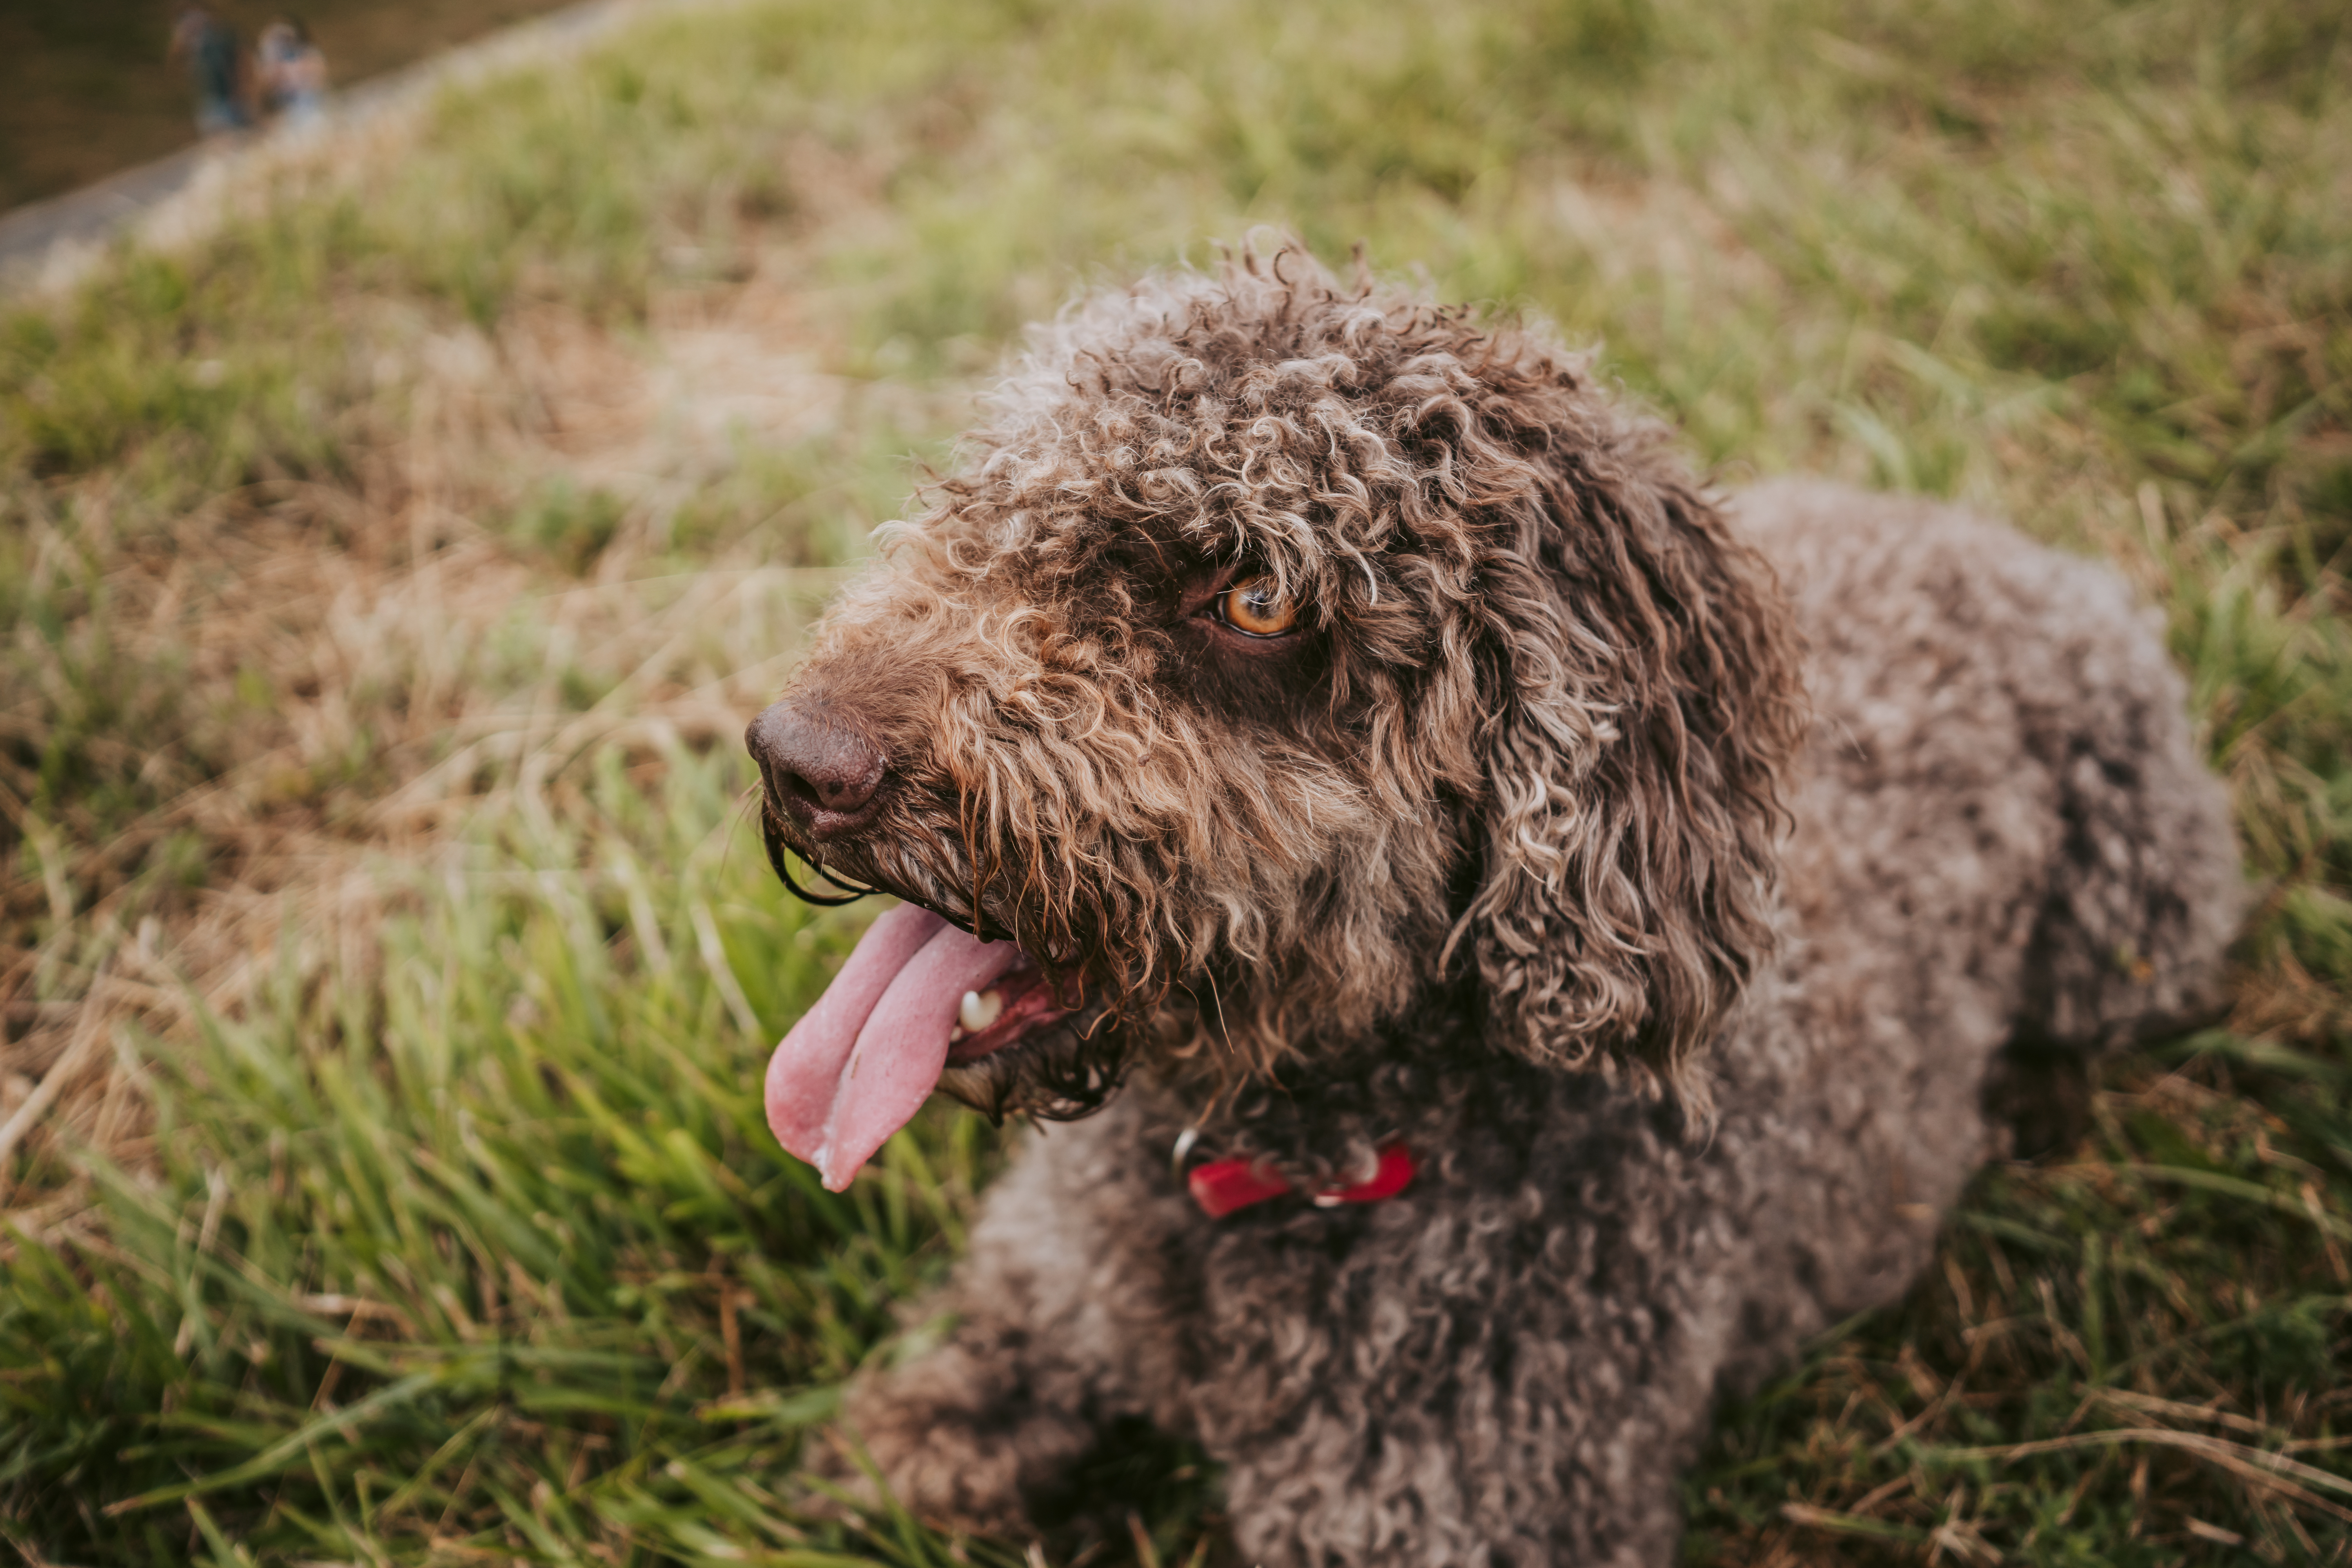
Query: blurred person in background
209	45
293	74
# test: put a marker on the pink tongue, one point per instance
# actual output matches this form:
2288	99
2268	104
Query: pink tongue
860	1062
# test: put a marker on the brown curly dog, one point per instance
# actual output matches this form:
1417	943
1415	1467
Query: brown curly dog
1542	940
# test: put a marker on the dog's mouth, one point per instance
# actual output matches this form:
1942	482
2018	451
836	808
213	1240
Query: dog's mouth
918	994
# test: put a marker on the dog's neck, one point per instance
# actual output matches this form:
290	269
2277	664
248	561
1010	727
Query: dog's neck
1432	1083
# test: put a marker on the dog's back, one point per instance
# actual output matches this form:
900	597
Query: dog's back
2007	856
1950	657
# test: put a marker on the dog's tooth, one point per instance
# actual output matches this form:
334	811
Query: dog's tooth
979	1009
955	1033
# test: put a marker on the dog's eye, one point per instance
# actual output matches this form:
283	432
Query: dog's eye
1258	607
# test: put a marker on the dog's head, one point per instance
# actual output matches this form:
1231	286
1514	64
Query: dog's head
1289	655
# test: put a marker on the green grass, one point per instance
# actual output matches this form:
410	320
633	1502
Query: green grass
415	1176
525	1134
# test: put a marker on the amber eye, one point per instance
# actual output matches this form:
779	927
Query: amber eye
1258	607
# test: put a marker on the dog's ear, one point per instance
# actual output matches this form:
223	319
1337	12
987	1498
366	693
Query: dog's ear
1643	701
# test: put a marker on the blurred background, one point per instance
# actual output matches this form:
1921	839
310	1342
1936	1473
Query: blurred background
95	87
399	524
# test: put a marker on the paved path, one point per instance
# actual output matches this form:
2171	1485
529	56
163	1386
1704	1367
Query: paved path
40	242
92	215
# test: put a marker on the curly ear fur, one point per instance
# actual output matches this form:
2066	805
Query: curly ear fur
1644	698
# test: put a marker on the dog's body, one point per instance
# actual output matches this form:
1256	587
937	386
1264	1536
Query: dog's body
2000	854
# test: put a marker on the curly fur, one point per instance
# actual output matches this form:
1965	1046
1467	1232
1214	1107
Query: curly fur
1540	839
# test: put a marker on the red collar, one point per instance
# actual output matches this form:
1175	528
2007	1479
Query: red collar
1222	1186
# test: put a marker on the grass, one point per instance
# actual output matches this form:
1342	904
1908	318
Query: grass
384	578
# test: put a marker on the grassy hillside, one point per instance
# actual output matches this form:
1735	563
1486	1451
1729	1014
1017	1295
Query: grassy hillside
385	965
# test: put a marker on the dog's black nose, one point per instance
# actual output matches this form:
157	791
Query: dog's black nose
819	769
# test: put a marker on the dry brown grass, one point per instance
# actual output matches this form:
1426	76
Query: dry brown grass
419	662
